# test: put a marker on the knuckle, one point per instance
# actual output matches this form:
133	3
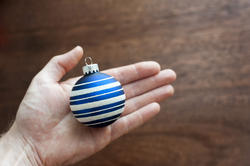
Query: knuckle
37	79
55	59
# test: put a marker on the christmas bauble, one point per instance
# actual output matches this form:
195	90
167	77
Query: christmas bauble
97	99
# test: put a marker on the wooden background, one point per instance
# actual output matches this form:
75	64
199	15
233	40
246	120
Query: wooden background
207	42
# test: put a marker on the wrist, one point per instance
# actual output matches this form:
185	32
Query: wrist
16	150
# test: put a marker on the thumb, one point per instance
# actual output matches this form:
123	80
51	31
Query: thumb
59	65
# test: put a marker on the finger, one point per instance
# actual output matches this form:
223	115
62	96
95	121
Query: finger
129	73
59	65
133	120
139	87
155	95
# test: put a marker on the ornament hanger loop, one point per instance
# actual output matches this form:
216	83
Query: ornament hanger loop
88	59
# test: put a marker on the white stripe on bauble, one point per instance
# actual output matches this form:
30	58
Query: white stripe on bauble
97	103
94	89
97	95
98	117
98	110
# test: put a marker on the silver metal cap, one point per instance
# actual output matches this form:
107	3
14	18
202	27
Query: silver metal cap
90	68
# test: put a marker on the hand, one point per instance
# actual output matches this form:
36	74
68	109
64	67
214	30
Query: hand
46	127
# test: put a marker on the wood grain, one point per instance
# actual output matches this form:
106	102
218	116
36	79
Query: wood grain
206	42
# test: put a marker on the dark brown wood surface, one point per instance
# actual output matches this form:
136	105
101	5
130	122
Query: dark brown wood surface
207	42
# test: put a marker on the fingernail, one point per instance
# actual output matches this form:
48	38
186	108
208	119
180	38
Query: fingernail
170	90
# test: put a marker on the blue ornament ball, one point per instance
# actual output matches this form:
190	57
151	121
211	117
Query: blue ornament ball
97	100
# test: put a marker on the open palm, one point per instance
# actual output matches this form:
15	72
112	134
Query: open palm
45	121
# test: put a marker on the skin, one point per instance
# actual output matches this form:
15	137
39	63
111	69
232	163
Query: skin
45	132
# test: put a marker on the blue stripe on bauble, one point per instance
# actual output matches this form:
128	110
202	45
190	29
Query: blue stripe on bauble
103	124
94	109
97	100
92	77
94	84
100	112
